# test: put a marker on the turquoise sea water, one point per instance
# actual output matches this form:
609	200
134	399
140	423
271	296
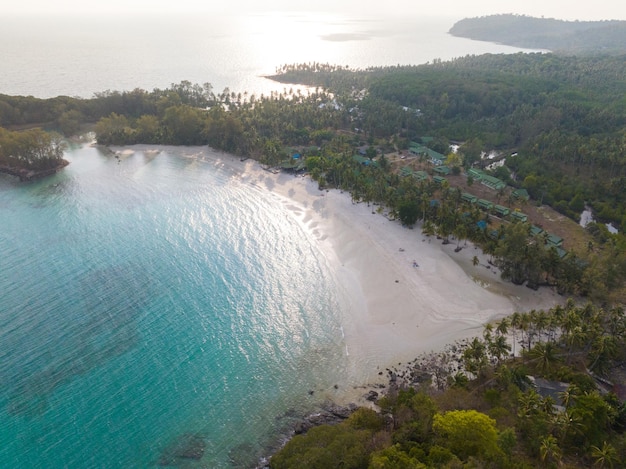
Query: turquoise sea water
150	300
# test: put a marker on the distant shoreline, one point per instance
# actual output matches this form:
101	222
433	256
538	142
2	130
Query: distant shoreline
548	34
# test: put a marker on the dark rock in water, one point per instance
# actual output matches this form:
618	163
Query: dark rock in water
371	396
244	455
339	411
187	446
302	427
330	414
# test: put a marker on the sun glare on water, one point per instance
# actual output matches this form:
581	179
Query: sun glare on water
301	38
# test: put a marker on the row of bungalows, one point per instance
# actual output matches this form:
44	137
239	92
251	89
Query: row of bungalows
550	240
485	179
417	175
499	210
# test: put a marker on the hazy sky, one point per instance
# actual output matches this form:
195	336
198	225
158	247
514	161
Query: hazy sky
561	9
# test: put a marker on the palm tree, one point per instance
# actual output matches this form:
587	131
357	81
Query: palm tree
549	450
569	395
604	348
487	331
545	356
475	357
516	319
503	326
528	404
499	348
605	456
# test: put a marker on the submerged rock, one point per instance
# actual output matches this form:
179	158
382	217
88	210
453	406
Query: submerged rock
187	446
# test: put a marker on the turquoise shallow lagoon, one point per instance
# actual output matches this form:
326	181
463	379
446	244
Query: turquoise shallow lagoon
151	299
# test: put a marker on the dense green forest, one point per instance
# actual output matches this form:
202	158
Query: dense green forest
473	405
546	33
560	120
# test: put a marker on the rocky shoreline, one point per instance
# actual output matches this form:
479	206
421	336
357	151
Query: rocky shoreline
428	369
31	174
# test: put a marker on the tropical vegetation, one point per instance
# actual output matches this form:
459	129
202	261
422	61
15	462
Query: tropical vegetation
481	409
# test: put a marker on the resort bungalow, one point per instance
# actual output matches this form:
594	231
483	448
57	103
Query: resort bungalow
518	216
406	171
535	230
554	240
363	160
467	197
489	181
484	204
475	174
501	210
520	194
442	170
492	182
559	251
420	175
435	158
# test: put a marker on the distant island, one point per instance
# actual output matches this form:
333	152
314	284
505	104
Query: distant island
572	37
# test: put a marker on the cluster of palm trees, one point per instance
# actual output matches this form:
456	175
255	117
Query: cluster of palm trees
571	343
567	342
568	334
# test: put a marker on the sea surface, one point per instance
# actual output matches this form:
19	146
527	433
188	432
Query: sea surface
79	56
151	302
154	298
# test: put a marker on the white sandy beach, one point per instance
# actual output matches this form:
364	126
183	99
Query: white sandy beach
393	310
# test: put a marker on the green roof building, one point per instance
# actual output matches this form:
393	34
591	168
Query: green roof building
501	210
420	175
436	158
554	240
406	171
492	183
521	194
476	174
519	216
484	204
467	197
443	170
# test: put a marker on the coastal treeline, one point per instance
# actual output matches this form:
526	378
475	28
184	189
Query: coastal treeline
477	405
550	115
32	149
608	36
